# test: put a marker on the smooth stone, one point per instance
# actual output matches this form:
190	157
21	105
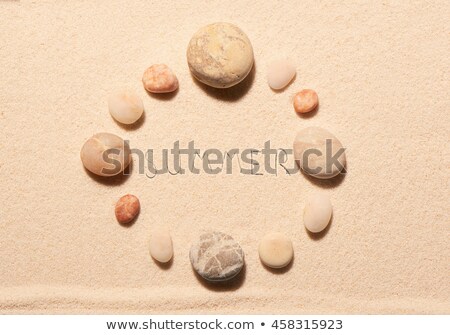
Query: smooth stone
305	101
310	153
220	55
275	250
317	213
105	145
216	257
280	73
161	246
159	78
127	208
125	107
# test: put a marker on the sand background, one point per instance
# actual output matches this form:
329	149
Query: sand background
381	71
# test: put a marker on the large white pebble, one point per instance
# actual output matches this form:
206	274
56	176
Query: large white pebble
275	250
161	247
126	107
280	74
317	213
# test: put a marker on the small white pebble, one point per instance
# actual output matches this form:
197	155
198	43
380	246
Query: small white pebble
317	213
161	247
280	74
125	107
275	250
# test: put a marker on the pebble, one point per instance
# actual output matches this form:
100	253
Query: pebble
280	74
275	250
310	152
125	107
216	257
127	208
161	246
220	55
159	78
317	213
116	150
305	101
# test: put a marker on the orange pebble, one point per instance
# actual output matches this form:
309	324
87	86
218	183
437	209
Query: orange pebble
305	101
127	208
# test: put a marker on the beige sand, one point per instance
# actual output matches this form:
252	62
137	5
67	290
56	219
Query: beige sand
381	72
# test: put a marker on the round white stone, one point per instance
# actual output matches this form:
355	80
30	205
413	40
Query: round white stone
319	153
317	213
280	73
125	107
275	250
161	247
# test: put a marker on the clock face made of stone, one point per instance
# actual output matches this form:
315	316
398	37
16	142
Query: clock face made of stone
220	55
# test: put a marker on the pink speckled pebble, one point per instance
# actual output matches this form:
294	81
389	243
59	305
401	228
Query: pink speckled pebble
159	78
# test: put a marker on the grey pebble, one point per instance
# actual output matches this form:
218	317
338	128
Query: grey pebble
216	257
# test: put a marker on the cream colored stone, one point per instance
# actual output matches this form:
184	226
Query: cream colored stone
305	101
220	55
125	107
105	154
317	213
280	73
161	246
275	250
319	153
159	78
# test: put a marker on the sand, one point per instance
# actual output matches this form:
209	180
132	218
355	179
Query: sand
381	71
